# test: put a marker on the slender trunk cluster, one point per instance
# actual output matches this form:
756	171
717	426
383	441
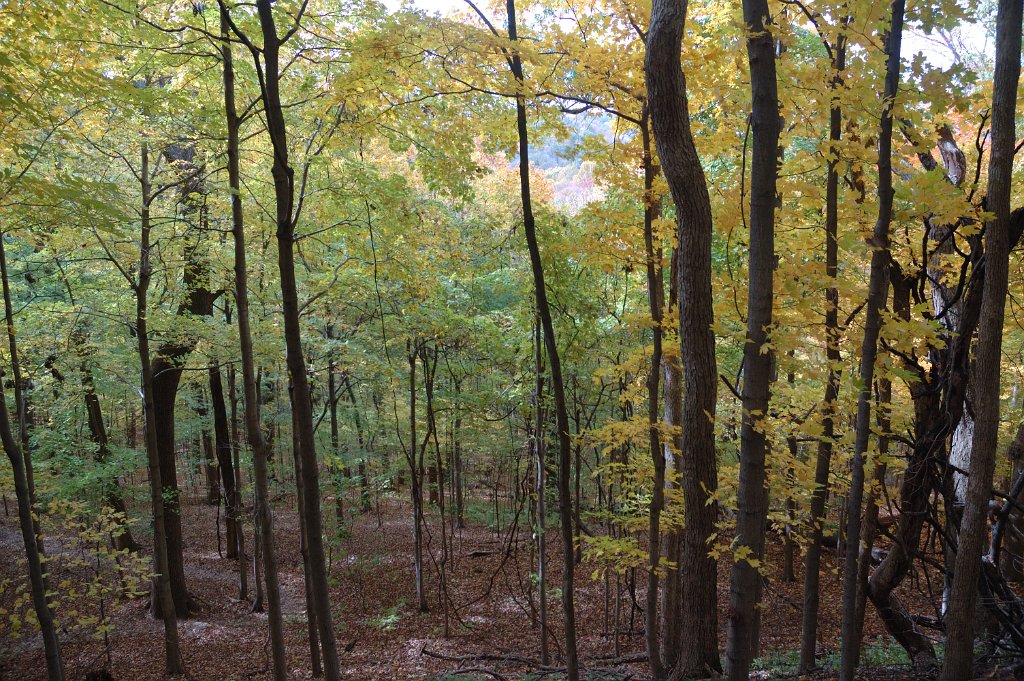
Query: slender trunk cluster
265	551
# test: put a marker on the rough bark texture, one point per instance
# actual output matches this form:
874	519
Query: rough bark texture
960	618
752	500
666	92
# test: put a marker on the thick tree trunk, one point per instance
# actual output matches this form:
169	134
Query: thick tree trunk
669	108
878	289
751	497
162	592
960	619
264	543
167	369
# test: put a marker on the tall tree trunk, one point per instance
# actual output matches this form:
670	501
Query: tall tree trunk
263	518
457	471
823	462
336	469
960	619
312	635
878	289
20	399
21	465
208	449
162	581
669	108
267	60
540	452
416	486
565	511
167	370
752	498
364	483
655	302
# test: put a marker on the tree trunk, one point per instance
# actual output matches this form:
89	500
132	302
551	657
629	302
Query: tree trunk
268	59
669	109
162	592
30	534
565	512
209	455
364	483
960	619
751	497
878	288
264	542
655	302
167	369
312	635
416	487
823	463
222	445
98	433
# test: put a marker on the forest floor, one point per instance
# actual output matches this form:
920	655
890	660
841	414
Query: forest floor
382	634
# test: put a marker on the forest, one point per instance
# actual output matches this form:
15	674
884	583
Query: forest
541	339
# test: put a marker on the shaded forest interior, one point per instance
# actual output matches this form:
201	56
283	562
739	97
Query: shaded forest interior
584	340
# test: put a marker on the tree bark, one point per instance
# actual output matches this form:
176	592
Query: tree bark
264	544
655	296
21	465
565	511
162	592
960	619
669	108
752	499
267	61
823	462
167	369
878	288
222	447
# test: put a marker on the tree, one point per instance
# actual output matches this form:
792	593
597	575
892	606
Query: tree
667	96
960	621
745	584
29	531
268	67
